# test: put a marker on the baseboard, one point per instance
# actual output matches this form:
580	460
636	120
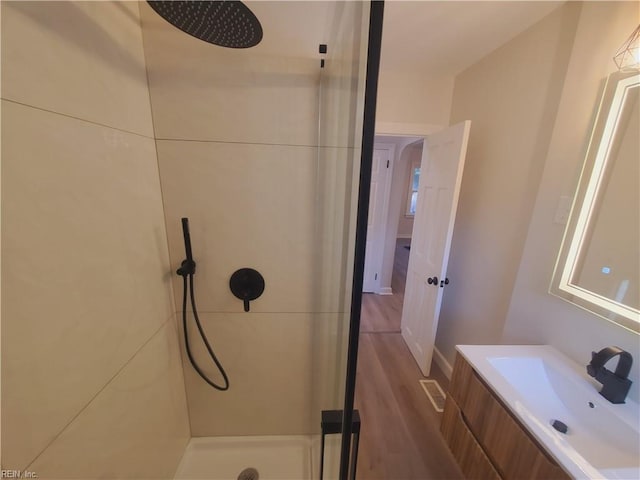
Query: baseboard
385	291
445	366
403	235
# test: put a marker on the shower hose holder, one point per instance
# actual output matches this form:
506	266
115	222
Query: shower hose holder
187	267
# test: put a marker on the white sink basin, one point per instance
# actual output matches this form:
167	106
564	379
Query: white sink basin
541	385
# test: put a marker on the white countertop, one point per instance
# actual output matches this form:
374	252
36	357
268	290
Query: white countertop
539	384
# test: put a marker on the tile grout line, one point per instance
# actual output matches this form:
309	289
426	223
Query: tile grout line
301	145
90	401
156	139
84	120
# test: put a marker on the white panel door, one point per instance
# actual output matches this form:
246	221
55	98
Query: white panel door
440	177
378	210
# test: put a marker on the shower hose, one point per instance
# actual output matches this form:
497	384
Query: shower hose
202	334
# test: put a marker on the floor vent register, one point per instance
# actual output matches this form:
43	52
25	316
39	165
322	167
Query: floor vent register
435	394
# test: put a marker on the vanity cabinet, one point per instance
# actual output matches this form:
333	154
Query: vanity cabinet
486	440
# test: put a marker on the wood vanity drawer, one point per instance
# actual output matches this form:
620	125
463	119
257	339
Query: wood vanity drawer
512	451
469	454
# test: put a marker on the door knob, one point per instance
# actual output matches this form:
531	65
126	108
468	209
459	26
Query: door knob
444	282
432	281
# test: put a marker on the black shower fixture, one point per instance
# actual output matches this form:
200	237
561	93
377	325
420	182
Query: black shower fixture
225	23
187	270
247	284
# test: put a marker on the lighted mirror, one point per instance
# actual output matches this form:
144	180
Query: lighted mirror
599	262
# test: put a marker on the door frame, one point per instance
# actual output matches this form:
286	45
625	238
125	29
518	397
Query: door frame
383	194
416	131
422	130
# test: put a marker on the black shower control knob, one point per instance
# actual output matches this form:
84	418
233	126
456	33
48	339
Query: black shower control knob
246	284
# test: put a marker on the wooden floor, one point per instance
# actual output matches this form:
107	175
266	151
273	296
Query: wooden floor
400	437
381	313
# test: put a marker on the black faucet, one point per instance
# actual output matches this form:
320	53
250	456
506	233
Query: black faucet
615	385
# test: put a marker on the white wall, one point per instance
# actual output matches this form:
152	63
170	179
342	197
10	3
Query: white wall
534	316
532	103
91	371
413	98
511	98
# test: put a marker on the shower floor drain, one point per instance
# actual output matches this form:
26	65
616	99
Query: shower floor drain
249	474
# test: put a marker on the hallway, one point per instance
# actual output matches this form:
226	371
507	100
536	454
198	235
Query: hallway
400	437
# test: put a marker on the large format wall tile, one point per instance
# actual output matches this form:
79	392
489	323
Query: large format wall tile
342	79
83	59
259	149
135	428
272	360
84	267
277	209
283	370
200	91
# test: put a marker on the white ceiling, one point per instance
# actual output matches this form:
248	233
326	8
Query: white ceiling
427	36
446	37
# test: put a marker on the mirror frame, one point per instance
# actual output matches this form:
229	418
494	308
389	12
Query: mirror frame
596	161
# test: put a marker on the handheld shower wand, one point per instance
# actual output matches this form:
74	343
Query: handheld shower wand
188	266
188	269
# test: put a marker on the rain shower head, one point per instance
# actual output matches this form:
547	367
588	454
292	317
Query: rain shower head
225	23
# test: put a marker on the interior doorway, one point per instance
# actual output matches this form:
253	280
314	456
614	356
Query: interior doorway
393	192
388	377
437	157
